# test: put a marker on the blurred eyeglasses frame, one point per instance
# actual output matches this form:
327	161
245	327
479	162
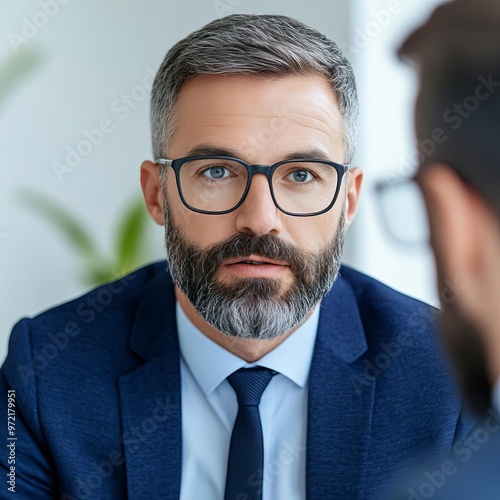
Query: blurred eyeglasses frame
267	170
381	189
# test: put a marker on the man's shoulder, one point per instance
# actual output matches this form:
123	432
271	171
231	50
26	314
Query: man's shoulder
368	289
90	330
383	309
397	328
95	323
104	302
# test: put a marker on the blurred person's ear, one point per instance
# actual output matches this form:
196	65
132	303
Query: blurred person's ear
151	189
464	237
450	206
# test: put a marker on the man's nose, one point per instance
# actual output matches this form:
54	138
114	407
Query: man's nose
258	214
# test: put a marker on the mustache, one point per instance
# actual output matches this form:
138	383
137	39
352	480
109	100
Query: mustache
267	246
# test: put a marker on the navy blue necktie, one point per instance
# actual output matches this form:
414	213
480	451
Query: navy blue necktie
246	453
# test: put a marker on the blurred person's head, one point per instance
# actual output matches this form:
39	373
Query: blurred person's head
457	119
253	260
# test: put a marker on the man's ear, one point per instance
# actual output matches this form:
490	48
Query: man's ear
450	205
151	189
355	181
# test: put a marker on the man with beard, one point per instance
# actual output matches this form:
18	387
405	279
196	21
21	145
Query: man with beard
457	53
251	368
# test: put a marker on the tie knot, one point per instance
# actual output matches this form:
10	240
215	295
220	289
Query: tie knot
250	383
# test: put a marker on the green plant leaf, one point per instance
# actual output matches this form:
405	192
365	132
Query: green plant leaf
69	226
99	275
130	236
16	67
129	252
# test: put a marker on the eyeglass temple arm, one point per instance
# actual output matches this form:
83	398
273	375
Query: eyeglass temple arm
163	161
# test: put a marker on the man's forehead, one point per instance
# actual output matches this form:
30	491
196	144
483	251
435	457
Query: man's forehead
293	154
304	90
257	112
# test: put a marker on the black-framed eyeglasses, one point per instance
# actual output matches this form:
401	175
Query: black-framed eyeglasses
403	211
218	185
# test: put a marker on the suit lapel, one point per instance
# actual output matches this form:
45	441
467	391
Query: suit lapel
150	398
340	400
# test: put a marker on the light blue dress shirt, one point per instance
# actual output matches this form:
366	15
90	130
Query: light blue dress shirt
209	408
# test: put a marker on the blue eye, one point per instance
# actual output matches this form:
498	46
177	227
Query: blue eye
216	172
301	176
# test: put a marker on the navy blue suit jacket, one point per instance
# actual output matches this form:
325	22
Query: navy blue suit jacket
470	472
98	401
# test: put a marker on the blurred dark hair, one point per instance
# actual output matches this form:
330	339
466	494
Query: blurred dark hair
457	53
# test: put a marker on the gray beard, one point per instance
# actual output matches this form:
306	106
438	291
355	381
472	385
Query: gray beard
251	308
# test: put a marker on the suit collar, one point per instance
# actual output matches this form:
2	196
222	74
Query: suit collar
340	400
154	329
150	397
340	314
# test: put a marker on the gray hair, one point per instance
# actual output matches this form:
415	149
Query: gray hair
254	45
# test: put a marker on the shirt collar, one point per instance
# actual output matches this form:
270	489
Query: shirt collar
211	364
